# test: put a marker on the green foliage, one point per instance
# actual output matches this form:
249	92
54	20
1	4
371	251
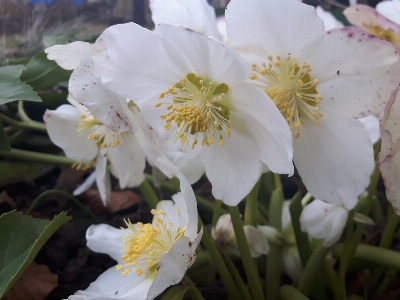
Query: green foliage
11	88
41	73
21	238
175	293
15	171
4	143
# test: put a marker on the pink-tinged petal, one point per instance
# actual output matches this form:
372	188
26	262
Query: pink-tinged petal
69	56
197	15
360	66
62	126
365	17
389	160
106	239
174	264
134	71
103	180
234	168
186	201
390	10
207	57
275	26
111	285
335	160
263	121
106	106
127	161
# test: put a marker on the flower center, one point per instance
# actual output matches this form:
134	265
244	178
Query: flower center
291	88
102	136
195	106
146	243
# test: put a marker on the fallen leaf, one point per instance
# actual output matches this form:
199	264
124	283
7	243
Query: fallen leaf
70	178
118	201
34	284
4	198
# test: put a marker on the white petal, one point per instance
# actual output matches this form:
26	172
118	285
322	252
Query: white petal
86	184
127	161
390	9
207	57
103	180
258	244
62	127
69	56
111	285
187	200
323	221
234	168
197	15
134	71
329	19
292	263
106	106
265	124
106	239
174	264
335	160
371	123
275	26
361	67
192	168
389	160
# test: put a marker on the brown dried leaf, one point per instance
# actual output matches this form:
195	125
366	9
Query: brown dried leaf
118	201
70	178
34	284
7	199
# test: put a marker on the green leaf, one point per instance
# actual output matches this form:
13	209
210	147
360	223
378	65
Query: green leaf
21	238
41	73
175	293
4	143
11	73
15	90
15	171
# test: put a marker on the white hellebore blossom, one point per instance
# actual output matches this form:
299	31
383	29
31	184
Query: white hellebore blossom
323	220
93	133
321	82
224	235
389	159
192	88
150	257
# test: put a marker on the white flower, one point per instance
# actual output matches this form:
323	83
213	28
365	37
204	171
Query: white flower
389	159
150	257
224	235
323	220
321	82
92	144
372	21
197	15
390	10
192	88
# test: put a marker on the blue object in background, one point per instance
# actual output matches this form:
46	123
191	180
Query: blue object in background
51	2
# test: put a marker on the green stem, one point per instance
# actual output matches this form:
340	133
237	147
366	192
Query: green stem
216	212
193	291
248	262
60	193
251	211
374	255
314	264
208	205
149	194
236	276
288	292
391	225
274	257
302	241
219	263
38	157
24	125
390	275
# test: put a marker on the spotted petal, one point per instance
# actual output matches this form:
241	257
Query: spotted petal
69	56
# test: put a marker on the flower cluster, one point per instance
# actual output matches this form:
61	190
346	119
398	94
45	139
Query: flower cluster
278	91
